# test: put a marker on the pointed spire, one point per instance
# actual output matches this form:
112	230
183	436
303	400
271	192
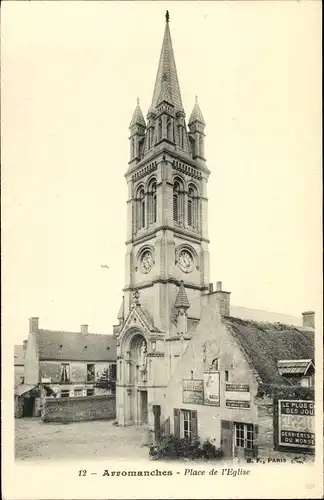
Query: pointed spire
196	114
167	72
164	94
138	118
182	301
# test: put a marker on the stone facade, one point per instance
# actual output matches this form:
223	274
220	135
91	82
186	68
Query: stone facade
79	409
167	243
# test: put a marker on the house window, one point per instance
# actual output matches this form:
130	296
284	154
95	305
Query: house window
90	373
78	392
186	424
244	436
65	373
22	380
65	394
90	392
226	375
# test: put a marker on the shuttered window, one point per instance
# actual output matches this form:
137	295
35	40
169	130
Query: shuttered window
185	424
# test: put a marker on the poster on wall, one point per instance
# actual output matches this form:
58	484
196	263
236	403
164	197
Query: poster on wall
296	424
193	391
237	396
211	389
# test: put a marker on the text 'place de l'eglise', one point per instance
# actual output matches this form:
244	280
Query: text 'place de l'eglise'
182	361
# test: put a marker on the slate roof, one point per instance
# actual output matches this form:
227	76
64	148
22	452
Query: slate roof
264	344
295	366
19	355
196	114
167	72
75	346
137	117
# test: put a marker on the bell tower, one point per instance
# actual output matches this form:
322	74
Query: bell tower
167	240
167	257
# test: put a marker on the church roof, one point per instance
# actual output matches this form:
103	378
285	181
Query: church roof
196	114
138	117
167	72
75	346
182	299
265	344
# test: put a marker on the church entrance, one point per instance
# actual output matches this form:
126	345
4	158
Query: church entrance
136	380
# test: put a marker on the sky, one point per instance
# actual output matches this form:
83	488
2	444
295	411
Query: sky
71	74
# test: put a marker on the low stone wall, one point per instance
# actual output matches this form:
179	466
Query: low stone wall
79	409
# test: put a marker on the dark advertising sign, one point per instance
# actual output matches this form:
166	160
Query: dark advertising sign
296	424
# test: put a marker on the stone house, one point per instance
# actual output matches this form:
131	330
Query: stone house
217	390
69	364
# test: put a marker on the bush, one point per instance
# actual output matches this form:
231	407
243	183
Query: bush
173	448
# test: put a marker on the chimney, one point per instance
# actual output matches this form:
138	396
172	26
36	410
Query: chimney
84	329
33	325
210	288
223	299
309	319
25	345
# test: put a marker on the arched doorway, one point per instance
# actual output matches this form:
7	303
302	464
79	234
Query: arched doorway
137	376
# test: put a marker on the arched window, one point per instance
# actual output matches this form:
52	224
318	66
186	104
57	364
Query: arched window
192	209
141	208
169	130
152	202
133	149
160	130
178	196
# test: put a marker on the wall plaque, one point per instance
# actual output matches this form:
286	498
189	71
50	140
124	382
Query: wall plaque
193	391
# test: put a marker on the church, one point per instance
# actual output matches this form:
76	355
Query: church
167	242
174	328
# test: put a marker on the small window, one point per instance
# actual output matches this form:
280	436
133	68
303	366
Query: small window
22	380
90	372
90	392
65	394
186	424
65	372
226	375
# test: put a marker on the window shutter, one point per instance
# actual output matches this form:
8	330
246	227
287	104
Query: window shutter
176	416
256	440
194	424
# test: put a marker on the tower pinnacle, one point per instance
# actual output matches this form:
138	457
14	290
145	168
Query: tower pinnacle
167	16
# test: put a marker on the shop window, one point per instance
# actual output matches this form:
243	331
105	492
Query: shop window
65	373
65	394
90	373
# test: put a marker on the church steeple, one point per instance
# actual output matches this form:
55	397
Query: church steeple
197	132
137	129
167	72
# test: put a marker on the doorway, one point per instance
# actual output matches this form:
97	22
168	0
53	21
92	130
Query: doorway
143	407
28	407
